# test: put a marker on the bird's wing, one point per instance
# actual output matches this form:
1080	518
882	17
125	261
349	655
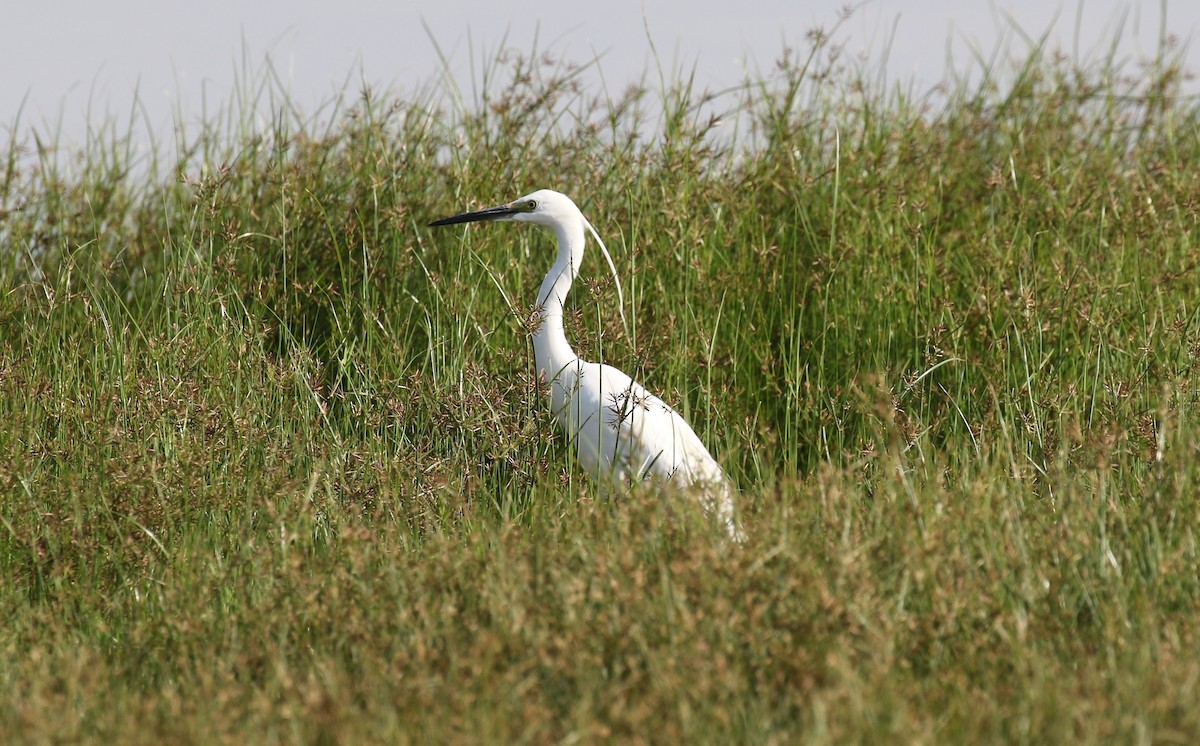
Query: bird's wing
654	439
623	431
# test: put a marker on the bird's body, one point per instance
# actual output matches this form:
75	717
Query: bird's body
619	430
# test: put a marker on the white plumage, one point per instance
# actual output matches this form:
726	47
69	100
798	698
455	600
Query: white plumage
619	430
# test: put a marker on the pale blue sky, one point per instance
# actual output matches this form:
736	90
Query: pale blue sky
79	59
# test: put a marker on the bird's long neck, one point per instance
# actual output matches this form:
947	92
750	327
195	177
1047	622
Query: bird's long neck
550	347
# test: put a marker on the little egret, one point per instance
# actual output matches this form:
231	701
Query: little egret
620	431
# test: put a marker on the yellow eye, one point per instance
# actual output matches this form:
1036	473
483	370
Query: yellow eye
531	205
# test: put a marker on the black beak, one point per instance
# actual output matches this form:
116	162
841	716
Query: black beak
491	213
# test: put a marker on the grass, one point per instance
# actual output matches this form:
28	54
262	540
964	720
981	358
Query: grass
274	467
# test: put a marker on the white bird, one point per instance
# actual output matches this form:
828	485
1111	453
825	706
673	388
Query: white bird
620	431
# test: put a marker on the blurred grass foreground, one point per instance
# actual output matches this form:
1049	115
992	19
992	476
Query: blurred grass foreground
274	467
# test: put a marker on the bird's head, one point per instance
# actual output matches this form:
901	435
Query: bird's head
543	207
